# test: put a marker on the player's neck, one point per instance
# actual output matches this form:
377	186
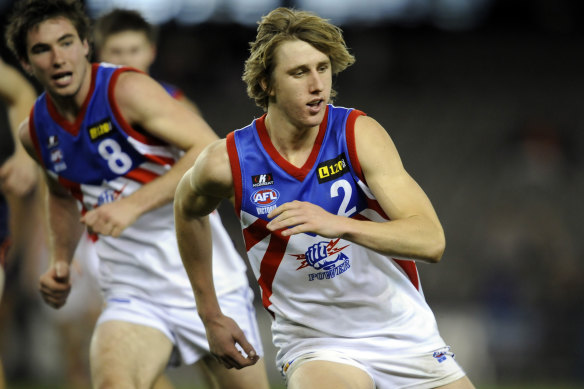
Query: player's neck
292	142
69	106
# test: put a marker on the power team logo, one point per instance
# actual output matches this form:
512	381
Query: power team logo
265	200
99	130
109	195
262	180
333	168
325	256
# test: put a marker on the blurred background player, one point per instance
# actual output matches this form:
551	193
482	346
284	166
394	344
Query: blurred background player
21	232
23	209
134	143
124	37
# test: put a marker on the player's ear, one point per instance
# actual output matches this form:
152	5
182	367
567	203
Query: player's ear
266	87
26	66
86	47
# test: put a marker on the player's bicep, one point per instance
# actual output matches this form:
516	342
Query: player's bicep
25	138
145	103
396	191
208	182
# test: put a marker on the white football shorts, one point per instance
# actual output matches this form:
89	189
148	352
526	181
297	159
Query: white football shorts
388	370
183	326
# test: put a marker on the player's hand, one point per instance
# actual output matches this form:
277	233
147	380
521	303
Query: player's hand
111	218
300	216
55	284
19	175
223	334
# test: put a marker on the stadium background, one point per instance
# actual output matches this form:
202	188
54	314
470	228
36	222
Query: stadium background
483	99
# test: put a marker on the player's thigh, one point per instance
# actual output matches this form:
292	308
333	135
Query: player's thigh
461	383
250	377
320	374
124	354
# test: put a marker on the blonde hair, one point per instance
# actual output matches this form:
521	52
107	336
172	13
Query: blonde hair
284	24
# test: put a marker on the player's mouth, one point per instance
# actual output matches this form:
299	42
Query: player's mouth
315	105
62	78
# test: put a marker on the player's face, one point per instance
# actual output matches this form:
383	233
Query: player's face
302	80
57	57
129	48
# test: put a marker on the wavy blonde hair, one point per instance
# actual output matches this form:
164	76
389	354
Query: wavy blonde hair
285	24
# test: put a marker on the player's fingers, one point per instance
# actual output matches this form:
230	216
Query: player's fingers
116	231
54	291
247	348
236	361
54	301
54	284
281	209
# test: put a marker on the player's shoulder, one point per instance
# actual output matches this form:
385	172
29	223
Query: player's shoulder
23	130
213	167
369	128
134	88
130	78
215	153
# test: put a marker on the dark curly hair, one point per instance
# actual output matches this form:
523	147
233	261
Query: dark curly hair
28	13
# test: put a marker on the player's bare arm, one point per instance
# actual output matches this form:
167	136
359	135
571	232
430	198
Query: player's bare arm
199	193
64	233
19	174
144	103
414	231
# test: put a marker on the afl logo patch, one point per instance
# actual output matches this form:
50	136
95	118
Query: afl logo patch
265	197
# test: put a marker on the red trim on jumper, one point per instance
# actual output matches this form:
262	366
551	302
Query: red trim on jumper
409	267
178	94
74	188
235	172
374	205
142	176
160	160
296	172
75	127
141	137
272	257
351	146
254	233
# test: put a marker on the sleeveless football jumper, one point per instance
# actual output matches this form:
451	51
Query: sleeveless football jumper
101	158
322	291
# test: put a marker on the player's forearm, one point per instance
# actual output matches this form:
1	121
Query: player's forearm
161	190
20	109
194	243
65	227
193	232
415	237
19	97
